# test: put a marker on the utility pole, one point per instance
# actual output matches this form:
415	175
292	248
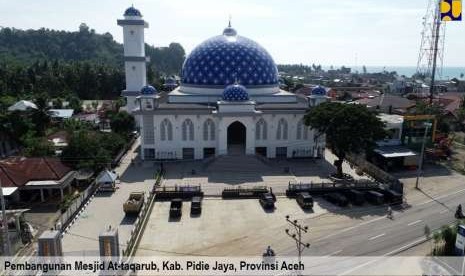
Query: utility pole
420	166
6	236
297	236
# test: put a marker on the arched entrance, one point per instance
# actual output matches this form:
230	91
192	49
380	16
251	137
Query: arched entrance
236	138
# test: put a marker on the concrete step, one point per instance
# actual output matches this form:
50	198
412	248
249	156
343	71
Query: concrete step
237	164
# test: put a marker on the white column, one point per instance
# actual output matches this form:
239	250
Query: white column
42	199
250	139
222	138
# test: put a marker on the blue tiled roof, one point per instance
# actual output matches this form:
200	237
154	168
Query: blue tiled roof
223	59
148	90
131	11
235	93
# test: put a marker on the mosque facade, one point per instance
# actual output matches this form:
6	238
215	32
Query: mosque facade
229	101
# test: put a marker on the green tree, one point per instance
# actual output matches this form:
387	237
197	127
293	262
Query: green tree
348	128
37	146
84	150
75	103
122	123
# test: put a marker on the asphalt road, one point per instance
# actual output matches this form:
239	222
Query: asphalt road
382	236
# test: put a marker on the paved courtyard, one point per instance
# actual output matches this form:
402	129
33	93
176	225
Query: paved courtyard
247	171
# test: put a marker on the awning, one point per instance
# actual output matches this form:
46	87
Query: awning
395	151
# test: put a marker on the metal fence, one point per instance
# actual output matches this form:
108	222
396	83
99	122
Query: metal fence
375	172
140	221
317	188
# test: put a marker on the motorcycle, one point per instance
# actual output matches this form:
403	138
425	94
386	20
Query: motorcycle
458	213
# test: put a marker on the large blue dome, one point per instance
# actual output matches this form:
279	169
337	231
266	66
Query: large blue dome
222	60
235	93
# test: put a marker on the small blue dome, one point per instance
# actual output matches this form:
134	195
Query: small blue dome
220	60
131	11
235	93
319	91
148	90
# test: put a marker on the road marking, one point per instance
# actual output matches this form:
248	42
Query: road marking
334	253
444	211
415	222
375	237
349	228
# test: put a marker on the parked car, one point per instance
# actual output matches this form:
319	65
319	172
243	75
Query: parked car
391	196
337	198
305	200
374	197
176	208
196	205
267	200
356	197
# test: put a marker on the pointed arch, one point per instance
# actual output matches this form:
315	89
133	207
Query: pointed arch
261	130
188	130
166	130
281	133
209	130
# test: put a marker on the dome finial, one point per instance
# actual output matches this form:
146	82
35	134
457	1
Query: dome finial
229	31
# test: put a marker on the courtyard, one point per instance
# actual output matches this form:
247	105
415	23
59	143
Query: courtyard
244	228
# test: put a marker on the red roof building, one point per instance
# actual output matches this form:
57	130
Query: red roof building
34	174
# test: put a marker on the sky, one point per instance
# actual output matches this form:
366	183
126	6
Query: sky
327	32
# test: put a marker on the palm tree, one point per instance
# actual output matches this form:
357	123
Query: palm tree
41	117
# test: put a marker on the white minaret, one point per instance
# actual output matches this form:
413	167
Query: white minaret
134	55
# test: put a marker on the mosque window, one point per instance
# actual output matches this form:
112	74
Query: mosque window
302	130
209	130
261	130
166	130
281	133
188	130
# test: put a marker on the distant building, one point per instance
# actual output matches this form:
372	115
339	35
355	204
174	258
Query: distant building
61	114
22	106
391	153
388	103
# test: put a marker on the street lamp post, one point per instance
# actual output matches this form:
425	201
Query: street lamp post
297	236
420	166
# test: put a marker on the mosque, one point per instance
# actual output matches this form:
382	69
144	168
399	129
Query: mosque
228	102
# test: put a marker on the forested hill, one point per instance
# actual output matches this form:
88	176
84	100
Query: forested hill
30	46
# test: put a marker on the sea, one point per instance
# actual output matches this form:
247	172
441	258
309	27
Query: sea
447	72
